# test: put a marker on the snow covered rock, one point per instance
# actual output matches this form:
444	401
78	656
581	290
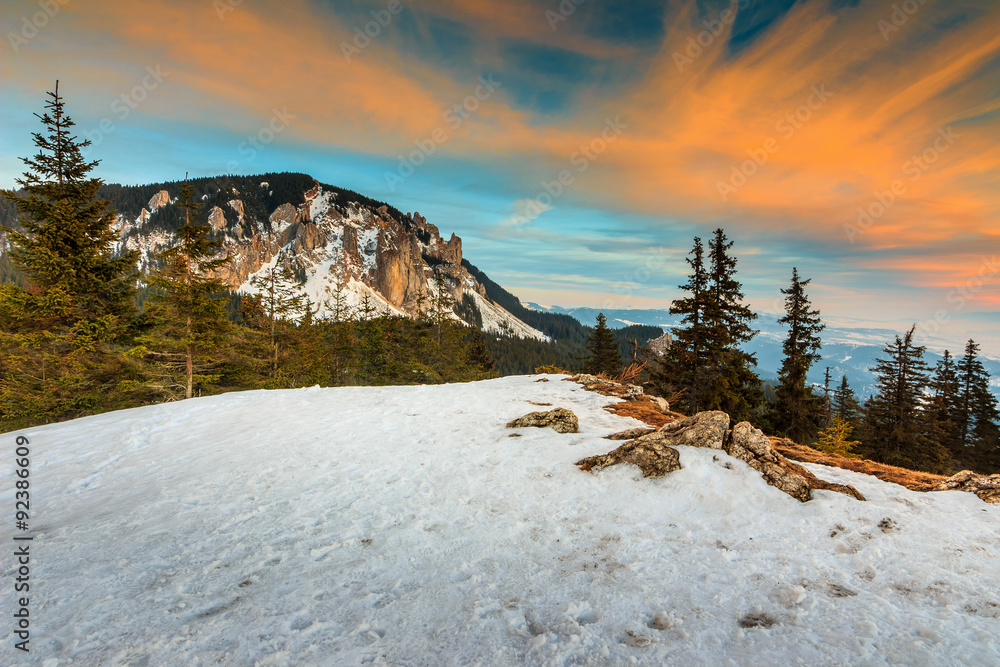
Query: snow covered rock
560	420
987	488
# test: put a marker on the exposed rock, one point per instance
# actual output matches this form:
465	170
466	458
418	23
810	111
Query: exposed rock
653	457
284	214
659	345
751	445
661	403
217	219
987	488
653	452
144	216
160	199
237	205
705	429
588	380
630	434
560	419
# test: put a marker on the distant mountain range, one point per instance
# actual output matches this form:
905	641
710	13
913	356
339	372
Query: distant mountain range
847	351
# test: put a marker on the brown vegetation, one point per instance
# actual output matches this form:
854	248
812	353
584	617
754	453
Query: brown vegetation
911	479
645	411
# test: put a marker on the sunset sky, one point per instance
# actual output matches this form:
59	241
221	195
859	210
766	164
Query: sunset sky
858	140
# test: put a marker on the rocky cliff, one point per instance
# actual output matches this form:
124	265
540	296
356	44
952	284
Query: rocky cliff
332	242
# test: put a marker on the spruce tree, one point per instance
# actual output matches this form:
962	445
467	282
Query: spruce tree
684	367
943	406
65	245
340	333
373	353
844	405
798	413
479	357
188	300
283	304
897	427
977	413
603	355
732	382
59	324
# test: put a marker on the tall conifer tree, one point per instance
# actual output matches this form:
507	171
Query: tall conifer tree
685	365
897	429
65	245
602	350
191	311
798	413
733	385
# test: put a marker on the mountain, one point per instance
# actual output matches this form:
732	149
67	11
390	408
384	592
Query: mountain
331	238
848	349
402	526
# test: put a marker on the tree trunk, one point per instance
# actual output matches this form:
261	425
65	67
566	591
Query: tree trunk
190	363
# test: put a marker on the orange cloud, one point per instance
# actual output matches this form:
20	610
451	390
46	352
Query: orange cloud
846	118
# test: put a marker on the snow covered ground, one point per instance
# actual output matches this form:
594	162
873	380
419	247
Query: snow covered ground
402	526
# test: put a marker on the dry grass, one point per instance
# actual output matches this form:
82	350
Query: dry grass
645	411
911	479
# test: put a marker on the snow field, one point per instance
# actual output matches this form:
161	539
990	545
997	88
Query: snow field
403	526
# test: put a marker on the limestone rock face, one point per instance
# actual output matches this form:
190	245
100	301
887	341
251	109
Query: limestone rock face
751	445
660	345
560	419
987	488
334	243
161	198
217	219
285	213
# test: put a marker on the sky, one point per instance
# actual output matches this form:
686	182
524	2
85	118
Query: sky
577	147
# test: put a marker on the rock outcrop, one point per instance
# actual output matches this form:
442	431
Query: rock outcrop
752	446
335	244
217	219
987	488
607	387
655	455
560	420
160	199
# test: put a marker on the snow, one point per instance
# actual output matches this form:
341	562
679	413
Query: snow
320	204
496	319
402	526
